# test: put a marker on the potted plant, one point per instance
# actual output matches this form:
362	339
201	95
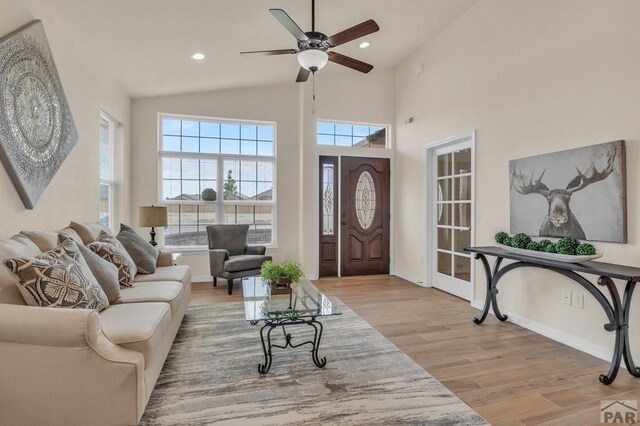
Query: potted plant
281	275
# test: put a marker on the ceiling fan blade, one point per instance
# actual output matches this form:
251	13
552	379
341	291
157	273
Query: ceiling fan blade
271	52
350	62
357	31
303	75
288	23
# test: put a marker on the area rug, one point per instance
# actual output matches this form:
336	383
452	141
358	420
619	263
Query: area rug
211	377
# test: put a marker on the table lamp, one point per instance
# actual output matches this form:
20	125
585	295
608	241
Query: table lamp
152	216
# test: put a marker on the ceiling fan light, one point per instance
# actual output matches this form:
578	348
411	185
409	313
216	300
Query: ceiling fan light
313	59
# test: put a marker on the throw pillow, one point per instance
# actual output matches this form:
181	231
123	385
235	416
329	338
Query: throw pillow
89	232
106	273
109	248
143	254
59	278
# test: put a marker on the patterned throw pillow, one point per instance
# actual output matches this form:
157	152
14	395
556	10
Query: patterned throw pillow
143	254
109	248
59	278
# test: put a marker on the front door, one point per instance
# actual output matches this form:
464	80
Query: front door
365	216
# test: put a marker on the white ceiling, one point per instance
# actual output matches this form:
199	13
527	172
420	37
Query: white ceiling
146	45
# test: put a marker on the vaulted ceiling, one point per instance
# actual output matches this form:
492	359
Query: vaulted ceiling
146	45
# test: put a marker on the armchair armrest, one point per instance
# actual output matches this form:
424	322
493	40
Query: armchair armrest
165	258
258	250
217	257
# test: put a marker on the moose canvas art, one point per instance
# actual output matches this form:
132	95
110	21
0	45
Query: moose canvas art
577	193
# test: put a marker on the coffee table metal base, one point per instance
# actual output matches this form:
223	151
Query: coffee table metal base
267	345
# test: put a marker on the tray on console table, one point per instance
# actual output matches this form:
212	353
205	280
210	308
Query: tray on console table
617	310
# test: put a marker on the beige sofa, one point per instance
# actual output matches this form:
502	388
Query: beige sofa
78	366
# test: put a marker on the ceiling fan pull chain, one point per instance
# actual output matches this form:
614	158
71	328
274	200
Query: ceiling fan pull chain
314	94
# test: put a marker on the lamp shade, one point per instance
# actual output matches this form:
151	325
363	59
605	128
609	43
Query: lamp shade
313	59
150	216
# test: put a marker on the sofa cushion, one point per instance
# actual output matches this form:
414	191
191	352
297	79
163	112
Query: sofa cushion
59	278
140	327
143	254
89	232
245	262
45	240
170	292
109	248
73	234
180	273
16	246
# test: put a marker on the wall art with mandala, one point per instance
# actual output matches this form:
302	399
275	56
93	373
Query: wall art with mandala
37	131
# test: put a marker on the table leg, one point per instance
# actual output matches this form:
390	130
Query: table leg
320	363
626	305
264	368
621	331
490	298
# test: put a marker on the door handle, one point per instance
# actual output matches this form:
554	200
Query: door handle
344	218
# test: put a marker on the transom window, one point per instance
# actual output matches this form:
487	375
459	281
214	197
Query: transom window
351	135
217	171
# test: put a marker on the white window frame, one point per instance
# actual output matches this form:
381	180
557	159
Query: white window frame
111	181
220	203
387	127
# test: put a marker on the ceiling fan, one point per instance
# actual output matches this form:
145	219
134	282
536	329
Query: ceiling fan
313	46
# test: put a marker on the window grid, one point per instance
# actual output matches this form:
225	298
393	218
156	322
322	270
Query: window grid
106	136
351	135
214	147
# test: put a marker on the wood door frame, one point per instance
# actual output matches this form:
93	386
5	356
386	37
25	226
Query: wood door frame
340	152
430	238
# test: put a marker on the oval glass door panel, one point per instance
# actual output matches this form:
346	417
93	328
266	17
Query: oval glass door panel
365	200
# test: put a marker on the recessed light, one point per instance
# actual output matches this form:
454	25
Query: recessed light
198	56
364	44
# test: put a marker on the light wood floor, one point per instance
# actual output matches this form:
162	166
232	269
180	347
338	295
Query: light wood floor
510	375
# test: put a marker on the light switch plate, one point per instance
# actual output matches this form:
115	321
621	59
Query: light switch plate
578	300
566	297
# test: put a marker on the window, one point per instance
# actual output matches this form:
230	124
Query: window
107	169
217	172
351	135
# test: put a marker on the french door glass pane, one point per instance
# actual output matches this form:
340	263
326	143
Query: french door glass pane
444	238
462	239
462	161
462	188
462	268
444	189
462	214
444	263
444	214
444	165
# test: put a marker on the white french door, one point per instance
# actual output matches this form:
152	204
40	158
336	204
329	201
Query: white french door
450	168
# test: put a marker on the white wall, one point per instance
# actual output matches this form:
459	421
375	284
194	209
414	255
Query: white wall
275	103
346	96
532	77
73	193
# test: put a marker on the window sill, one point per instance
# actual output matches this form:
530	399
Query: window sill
201	250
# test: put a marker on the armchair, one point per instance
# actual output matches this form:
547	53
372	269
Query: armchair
229	255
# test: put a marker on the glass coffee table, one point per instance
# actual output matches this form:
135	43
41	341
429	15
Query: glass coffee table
302	306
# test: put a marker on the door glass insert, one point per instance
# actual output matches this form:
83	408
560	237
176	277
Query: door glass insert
365	200
328	197
453	213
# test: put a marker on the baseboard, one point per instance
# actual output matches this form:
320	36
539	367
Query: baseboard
409	278
201	279
598	351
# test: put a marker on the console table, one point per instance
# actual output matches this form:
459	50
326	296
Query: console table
617	310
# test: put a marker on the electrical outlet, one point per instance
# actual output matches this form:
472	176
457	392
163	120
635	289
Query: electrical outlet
566	297
578	300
